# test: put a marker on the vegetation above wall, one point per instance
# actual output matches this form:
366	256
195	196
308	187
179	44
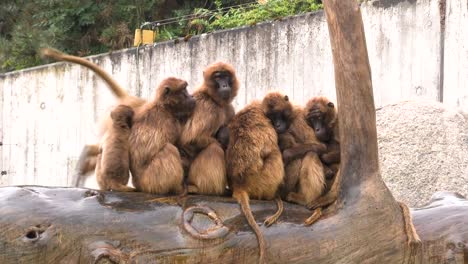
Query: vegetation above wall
90	27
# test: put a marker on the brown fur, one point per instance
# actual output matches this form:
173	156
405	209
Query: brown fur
205	162
87	160
254	163
320	111
155	162
112	167
304	179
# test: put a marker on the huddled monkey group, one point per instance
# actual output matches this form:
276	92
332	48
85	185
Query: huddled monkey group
179	143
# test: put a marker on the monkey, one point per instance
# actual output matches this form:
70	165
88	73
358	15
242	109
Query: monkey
204	136
253	159
112	167
304	173
87	160
322	117
155	161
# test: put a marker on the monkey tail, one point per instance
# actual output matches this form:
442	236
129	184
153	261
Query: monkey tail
243	199
116	89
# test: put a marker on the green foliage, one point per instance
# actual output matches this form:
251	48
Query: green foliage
273	9
221	16
81	27
87	27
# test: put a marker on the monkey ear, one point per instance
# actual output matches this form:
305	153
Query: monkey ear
167	90
330	104
286	98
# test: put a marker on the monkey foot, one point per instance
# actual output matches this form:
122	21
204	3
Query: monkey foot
167	200
323	201
314	217
272	219
218	231
123	188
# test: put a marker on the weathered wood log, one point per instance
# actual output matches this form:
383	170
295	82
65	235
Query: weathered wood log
68	225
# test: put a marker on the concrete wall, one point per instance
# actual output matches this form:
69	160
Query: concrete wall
416	50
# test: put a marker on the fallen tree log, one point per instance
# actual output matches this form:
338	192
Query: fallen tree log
364	225
70	225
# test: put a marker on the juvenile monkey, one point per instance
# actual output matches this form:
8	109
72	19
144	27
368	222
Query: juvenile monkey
112	167
155	162
321	116
253	158
304	173
205	134
87	160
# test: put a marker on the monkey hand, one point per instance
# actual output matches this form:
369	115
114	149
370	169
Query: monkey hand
289	155
223	136
330	157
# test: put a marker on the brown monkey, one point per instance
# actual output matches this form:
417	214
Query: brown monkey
155	162
304	173
112	167
87	160
253	158
199	140
322	117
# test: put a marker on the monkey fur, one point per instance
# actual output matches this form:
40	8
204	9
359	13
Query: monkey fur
155	161
205	133
253	158
112	167
87	161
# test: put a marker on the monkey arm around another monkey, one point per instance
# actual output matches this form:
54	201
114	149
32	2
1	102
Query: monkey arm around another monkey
322	116
300	150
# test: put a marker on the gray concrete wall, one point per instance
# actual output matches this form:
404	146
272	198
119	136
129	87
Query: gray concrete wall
49	112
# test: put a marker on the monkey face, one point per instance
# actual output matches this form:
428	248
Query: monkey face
320	115
280	121
316	120
223	84
279	110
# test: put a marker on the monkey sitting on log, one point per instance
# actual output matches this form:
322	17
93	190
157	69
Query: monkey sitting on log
205	132
112	166
155	162
304	178
87	161
322	117
253	158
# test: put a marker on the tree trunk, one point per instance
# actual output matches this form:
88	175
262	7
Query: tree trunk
365	225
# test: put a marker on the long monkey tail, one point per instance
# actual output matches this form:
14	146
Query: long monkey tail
59	56
243	199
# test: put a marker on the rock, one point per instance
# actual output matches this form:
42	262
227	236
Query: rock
423	148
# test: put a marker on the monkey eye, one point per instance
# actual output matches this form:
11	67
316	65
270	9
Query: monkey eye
167	90
286	98
330	104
